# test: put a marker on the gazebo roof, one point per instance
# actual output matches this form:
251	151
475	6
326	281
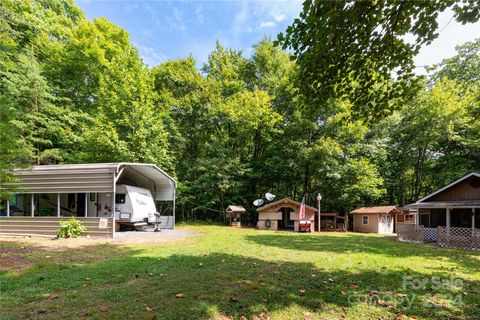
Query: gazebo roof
235	209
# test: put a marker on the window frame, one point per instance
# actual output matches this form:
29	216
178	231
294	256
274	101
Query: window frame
363	220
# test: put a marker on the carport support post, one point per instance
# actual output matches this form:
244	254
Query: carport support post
113	205
8	208
58	205
87	195
174	195
32	206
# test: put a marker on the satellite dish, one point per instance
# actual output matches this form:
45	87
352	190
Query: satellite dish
269	196
258	202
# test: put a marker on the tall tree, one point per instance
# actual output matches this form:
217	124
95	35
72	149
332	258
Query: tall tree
358	48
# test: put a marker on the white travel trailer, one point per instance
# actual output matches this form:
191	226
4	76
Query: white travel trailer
132	205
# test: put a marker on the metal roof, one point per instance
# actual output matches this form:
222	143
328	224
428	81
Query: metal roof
93	177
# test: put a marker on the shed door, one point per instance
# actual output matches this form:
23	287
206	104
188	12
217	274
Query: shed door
386	223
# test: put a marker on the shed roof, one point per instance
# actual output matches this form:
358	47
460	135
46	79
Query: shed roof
93	177
285	201
236	209
378	209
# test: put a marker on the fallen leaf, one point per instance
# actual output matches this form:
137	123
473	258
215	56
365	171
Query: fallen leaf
382	303
103	308
180	295
233	299
353	286
343	293
88	279
52	297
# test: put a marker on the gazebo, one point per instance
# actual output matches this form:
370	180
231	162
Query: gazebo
235	215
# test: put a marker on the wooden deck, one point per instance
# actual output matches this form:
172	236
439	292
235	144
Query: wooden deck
48	226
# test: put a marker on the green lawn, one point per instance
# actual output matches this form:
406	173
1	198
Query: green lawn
228	273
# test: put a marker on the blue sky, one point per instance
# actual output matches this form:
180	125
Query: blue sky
163	30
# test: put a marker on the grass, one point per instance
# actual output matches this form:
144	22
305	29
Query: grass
228	273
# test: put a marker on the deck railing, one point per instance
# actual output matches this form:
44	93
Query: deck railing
465	238
410	233
453	237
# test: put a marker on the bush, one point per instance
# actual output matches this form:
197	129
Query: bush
70	228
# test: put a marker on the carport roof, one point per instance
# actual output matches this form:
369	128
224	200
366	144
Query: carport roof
92	177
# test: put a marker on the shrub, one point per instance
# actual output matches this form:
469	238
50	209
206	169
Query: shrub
70	228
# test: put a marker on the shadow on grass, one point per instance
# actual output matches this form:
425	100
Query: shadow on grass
134	285
344	243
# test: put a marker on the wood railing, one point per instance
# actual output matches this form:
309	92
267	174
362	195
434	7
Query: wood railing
48	226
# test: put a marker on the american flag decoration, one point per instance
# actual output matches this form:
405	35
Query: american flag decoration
301	215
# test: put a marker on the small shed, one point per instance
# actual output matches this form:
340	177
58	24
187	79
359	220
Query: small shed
284	215
379	219
235	215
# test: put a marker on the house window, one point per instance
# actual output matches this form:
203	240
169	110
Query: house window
365	219
410	217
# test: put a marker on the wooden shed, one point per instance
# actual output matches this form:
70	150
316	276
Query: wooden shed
235	215
379	219
283	215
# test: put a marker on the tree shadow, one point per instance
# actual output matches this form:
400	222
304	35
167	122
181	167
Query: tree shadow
133	285
347	243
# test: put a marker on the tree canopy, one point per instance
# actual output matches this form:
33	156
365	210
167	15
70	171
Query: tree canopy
329	117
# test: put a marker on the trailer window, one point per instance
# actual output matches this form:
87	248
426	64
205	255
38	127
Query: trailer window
120	198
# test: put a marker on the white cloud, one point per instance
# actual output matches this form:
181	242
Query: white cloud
268	24
150	55
280	17
199	14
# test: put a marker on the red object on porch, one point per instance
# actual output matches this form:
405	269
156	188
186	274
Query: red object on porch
304	226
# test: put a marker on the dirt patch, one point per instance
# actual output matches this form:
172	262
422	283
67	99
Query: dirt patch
14	257
18	253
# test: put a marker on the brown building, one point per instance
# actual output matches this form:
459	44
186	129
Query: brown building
375	219
283	215
455	205
449	216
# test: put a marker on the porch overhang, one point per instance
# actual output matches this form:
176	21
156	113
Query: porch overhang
445	204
